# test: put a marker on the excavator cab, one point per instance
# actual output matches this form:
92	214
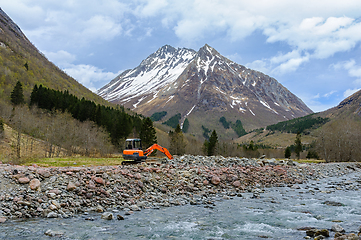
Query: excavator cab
133	144
133	151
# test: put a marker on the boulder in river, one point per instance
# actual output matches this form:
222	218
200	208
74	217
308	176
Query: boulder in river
107	216
52	233
332	203
337	228
52	215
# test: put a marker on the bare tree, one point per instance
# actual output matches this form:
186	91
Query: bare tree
340	141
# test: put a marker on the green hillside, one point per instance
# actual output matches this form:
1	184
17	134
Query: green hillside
21	61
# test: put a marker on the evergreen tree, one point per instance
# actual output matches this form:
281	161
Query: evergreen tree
34	95
210	145
148	133
312	154
185	125
17	96
173	121
177	144
288	152
26	65
224	122
1	129
298	145
238	128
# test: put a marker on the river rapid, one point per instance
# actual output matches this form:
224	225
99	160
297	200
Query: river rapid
273	213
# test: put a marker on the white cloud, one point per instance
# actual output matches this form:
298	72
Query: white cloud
61	57
100	27
349	92
353	69
307	27
315	102
151	8
281	63
329	94
89	75
259	65
317	96
69	22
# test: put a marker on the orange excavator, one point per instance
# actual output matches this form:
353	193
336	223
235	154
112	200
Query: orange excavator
133	152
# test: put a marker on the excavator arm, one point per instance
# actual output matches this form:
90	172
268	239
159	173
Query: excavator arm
159	148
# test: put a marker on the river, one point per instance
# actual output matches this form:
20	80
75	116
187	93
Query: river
276	214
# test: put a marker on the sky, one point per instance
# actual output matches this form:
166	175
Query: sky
312	47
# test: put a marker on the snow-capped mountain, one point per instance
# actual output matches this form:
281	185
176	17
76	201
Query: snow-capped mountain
201	85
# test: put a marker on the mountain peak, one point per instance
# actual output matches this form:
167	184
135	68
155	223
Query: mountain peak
203	83
208	50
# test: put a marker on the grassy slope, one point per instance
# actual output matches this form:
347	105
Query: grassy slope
15	51
277	139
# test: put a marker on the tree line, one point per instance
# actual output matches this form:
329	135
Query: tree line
117	122
298	124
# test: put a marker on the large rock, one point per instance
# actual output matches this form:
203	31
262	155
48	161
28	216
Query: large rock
55	203
134	208
337	228
107	216
52	215
99	180
44	173
350	236
215	180
71	186
52	233
323	232
236	184
24	180
99	209
34	184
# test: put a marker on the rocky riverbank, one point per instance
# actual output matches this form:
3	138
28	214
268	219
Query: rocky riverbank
27	192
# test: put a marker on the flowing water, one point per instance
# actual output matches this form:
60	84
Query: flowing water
277	214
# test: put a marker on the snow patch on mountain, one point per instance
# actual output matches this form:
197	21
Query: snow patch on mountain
158	71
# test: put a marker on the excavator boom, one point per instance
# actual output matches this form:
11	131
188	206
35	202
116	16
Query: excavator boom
159	148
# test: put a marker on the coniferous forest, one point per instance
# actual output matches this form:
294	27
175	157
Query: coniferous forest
116	122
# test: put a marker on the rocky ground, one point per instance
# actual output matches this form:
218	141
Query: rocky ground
27	192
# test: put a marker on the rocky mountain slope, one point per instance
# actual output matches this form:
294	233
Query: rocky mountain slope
21	60
202	87
349	107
